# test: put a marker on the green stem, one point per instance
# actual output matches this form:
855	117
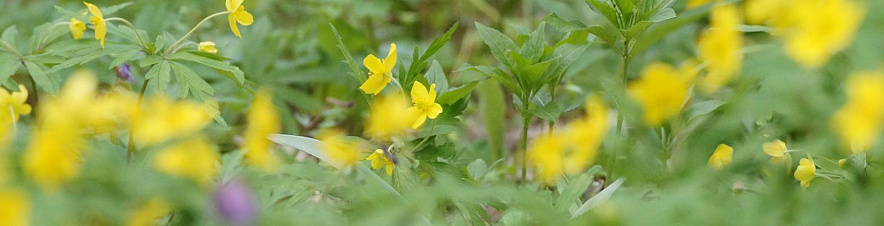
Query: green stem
137	35
432	128
130	148
526	120
171	47
401	89
622	78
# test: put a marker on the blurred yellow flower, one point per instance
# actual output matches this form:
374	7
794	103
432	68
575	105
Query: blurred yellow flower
236	13
696	3
262	122
380	71
424	104
97	21
12	105
574	148
773	12
194	158
389	116
722	156
775	148
719	46
15	207
162	119
806	171
148	213
208	47
77	28
858	122
661	92
341	153
821	28
380	160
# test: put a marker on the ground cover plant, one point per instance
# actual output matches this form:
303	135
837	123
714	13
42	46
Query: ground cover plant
421	112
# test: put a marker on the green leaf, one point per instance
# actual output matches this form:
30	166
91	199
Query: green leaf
456	94
495	73
702	108
499	43
436	76
160	74
354	69
532	49
73	14
190	84
660	30
48	82
114	8
236	74
598	199
534	74
438	43
123	57
607	10
492	108
10	35
150	60
8	68
477	169
572	192
159	43
610	37
563	25
548	112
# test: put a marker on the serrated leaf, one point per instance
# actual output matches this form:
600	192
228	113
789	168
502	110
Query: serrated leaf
189	83
354	69
499	43
435	75
10	35
237	75
456	94
159	43
160	76
150	60
123	57
8	68
46	81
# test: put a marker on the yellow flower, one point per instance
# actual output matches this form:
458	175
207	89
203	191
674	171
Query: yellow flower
774	12
77	27
262	122
380	160
148	213
719	46
661	92
15	207
721	157
805	171
208	47
12	105
236	13
161	119
194	158
380	71
574	148
389	116
775	148
424	103
820	29
859	121
5	136
97	21
341	153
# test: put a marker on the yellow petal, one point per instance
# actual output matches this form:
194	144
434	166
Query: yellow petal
233	4
375	83
208	47
93	10
434	110
419	92
77	27
421	118
100	29
389	165
232	21
432	97
774	148
390	61
374	65
243	17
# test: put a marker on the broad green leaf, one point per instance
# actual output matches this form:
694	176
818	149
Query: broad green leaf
563	25
189	83
477	169
498	42
533	47
548	112
702	108
8	68
607	10
598	199
236	74
534	74
150	60
456	94
435	75
48	82
123	57
10	36
573	190
492	108
159	76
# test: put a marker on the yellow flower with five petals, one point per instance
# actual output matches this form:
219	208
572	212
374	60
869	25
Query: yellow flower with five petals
12	105
77	27
236	13
425	105
380	71
722	156
806	171
262	122
380	160
207	47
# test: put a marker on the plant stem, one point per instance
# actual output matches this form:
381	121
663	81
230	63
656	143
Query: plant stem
526	120
432	127
130	148
171	47
137	35
622	78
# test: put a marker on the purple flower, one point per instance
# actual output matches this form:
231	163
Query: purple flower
234	202
124	73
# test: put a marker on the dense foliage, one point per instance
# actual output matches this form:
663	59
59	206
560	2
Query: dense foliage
419	112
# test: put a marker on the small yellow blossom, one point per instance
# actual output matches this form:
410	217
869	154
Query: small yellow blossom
775	148
262	122
719	46
77	28
208	47
858	123
546	155
425	104
148	213
806	171
389	116
194	158
574	148
722	156
696	3
236	13
162	119
380	160
380	71
97	21
341	153
661	92
12	105
820	29
15	207
773	12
